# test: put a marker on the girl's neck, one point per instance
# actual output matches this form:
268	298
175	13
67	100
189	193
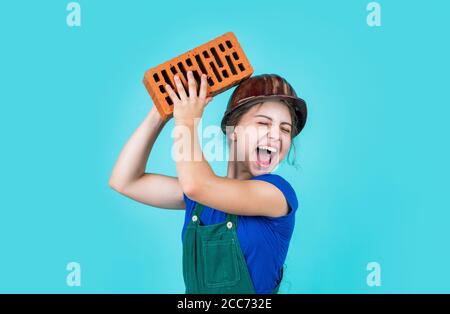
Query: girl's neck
236	170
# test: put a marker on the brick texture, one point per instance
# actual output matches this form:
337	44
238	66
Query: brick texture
221	59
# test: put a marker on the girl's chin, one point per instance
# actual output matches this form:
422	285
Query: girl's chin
261	168
257	167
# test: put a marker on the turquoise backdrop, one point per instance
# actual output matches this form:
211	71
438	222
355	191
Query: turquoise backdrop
373	181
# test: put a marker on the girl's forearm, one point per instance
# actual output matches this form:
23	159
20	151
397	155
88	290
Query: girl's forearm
133	158
194	171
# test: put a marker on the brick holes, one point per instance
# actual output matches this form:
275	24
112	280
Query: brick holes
231	65
216	57
166	78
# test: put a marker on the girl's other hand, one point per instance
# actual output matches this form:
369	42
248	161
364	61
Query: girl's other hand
156	116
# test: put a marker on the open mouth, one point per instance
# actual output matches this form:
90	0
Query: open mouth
264	155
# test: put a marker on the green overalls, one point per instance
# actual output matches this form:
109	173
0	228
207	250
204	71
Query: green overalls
213	261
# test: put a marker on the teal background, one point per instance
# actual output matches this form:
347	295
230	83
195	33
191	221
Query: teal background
373	177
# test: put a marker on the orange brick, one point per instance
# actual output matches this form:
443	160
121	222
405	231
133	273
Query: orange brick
221	59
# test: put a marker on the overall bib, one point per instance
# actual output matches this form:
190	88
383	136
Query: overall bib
213	261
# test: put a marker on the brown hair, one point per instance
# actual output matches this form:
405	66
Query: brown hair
236	115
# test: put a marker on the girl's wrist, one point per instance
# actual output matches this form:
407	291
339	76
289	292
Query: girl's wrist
155	117
191	121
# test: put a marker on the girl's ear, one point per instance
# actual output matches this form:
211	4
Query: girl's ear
233	136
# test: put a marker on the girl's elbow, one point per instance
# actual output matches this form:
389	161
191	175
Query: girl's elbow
116	185
190	192
196	189
190	189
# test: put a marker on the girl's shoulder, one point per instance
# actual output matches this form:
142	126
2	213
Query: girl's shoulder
283	185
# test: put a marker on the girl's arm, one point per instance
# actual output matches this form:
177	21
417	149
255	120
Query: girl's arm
129	178
238	197
197	179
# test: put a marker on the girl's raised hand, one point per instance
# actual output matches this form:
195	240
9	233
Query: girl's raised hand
188	108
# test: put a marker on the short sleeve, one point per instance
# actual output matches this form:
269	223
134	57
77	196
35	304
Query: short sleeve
186	199
284	187
187	213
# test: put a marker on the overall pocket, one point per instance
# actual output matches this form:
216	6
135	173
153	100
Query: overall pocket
221	263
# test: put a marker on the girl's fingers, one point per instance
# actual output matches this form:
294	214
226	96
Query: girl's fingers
192	85
173	96
180	88
202	94
207	100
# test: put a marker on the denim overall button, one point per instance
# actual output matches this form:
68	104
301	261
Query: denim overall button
194	218
229	225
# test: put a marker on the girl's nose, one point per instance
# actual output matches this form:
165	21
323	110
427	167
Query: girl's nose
274	132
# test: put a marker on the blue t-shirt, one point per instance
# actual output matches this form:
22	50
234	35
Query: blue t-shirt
264	240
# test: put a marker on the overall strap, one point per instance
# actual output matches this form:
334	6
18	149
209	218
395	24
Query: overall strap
198	209
232	218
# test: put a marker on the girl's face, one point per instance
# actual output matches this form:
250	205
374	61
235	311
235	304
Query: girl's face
263	136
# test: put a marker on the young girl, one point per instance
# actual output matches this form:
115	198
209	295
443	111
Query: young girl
237	228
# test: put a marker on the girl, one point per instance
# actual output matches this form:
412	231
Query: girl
237	228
